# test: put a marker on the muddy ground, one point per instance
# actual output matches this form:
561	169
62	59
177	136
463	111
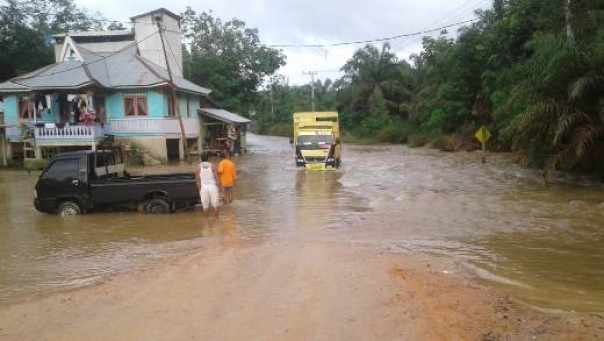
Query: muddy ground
291	291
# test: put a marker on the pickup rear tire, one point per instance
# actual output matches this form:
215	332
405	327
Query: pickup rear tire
68	208
157	206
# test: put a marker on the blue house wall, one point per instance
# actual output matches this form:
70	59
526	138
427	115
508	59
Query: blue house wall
115	105
157	103
51	114
11	108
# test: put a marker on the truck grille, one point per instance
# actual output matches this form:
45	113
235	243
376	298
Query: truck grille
315	159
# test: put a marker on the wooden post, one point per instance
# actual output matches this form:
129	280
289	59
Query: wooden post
3	143
173	87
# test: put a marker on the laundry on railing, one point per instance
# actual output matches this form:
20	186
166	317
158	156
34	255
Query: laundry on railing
53	131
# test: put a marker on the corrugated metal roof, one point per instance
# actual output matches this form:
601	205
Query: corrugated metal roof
108	33
61	75
89	56
124	69
223	115
179	82
128	71
9	86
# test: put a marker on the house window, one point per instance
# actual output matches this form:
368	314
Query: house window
171	106
135	105
26	109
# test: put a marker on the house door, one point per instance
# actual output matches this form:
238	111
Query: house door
100	108
172	147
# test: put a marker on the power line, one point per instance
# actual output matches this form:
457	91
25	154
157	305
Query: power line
371	40
312	87
453	14
95	19
182	73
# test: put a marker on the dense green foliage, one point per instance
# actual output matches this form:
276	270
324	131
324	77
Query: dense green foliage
531	71
228	58
26	28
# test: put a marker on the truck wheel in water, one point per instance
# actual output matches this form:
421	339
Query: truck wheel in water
157	206
69	208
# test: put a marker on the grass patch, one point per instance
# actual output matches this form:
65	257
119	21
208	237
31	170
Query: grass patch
34	164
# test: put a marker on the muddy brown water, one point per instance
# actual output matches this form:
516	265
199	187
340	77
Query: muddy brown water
544	245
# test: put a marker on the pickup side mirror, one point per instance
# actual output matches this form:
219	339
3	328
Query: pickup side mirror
291	140
337	140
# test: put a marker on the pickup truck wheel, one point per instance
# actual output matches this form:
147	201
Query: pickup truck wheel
157	206
69	208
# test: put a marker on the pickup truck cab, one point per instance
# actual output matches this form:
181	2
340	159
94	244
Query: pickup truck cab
85	181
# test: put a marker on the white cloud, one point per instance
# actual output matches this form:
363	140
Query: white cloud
316	22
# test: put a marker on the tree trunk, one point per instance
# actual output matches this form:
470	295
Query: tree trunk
570	31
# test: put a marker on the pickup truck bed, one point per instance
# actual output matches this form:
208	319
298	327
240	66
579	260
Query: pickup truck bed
85	181
115	191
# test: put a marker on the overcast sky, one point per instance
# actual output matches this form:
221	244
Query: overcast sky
316	22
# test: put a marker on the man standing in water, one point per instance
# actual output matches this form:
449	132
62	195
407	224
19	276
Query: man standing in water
228	176
207	183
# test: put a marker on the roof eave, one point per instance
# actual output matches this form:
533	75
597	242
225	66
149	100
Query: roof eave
158	10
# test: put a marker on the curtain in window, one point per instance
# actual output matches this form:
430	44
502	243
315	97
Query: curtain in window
142	106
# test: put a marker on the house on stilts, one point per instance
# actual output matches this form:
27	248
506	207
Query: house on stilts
120	87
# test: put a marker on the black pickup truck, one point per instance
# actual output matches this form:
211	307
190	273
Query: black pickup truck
84	181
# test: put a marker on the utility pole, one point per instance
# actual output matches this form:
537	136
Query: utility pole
174	103
312	87
272	104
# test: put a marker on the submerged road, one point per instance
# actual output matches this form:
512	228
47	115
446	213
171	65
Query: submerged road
398	244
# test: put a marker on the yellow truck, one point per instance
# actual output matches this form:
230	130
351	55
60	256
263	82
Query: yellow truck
317	140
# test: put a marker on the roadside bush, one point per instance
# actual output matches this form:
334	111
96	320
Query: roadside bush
352	137
537	153
453	142
397	132
34	164
265	127
418	139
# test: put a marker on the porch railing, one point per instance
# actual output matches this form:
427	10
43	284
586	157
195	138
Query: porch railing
82	133
77	132
136	126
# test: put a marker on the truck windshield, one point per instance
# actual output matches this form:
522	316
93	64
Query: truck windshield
315	141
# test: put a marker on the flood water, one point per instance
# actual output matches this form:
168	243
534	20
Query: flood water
542	244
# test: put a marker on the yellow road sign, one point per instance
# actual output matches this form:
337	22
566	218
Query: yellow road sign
483	134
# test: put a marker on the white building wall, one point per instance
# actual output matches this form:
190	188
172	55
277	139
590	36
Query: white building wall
150	45
106	47
102	48
58	50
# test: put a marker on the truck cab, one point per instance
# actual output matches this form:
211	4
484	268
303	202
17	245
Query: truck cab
84	181
316	140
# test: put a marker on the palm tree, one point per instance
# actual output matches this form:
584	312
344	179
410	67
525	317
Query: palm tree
371	70
566	105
